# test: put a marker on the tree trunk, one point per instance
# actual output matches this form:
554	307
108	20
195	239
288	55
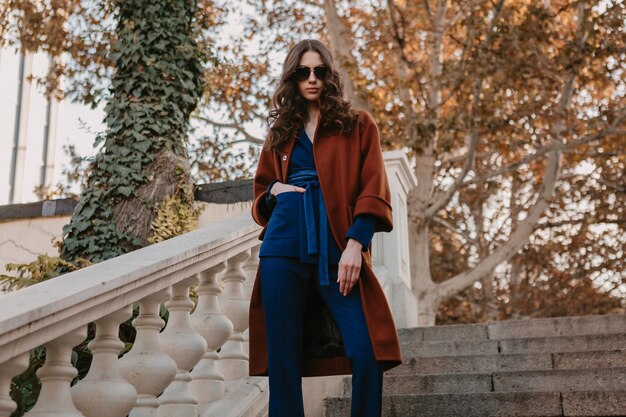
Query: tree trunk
341	44
157	84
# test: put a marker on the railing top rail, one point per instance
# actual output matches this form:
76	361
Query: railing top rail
45	311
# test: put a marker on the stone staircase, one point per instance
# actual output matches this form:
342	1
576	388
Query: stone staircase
572	366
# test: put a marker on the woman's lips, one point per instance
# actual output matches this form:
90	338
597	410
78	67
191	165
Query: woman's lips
312	90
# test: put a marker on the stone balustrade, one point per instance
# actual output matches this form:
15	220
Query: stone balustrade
182	368
171	370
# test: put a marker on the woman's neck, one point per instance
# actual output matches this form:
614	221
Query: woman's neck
313	111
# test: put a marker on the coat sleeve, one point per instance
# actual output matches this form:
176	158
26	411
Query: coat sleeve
374	193
265	175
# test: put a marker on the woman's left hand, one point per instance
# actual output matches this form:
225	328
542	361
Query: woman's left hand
349	266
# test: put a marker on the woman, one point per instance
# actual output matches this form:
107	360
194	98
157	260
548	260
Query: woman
320	192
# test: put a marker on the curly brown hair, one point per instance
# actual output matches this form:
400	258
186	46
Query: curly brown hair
289	107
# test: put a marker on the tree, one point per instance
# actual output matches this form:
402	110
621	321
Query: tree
156	84
496	101
141	170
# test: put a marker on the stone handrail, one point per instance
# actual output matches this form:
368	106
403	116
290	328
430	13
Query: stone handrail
176	372
55	314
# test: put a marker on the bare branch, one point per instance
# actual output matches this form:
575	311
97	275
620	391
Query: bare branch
403	63
453	159
443	199
516	241
341	44
540	152
453	229
525	228
429	13
237	127
616	187
313	3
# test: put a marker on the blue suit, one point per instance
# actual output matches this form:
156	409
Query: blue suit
299	252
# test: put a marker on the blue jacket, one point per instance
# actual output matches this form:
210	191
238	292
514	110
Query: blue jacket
295	224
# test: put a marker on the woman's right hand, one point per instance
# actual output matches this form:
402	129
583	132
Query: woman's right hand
279	187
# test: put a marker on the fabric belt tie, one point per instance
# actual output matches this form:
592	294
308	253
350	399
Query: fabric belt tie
308	180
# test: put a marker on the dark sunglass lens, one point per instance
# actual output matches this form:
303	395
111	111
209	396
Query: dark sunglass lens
320	73
301	74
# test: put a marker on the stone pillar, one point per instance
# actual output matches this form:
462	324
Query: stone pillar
233	361
208	382
56	375
146	366
186	347
250	268
8	370
103	392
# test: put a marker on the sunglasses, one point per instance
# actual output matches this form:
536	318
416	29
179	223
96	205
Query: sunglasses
302	73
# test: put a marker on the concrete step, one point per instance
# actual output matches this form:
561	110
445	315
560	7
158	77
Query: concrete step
562	326
493	404
466	405
511	329
510	362
443	333
519	345
472	364
450	348
564	344
434	384
594	403
563	380
593	359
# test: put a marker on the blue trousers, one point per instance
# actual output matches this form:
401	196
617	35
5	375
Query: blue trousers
284	286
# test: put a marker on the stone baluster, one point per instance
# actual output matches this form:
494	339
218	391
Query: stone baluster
250	267
186	347
103	392
233	361
8	370
146	366
208	382
56	375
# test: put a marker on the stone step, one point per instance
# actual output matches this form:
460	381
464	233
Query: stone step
511	329
563	380
472	364
450	348
554	344
591	359
564	344
466	405
493	404
434	384
562	326
594	403
510	362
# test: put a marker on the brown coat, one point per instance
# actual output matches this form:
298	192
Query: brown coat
353	181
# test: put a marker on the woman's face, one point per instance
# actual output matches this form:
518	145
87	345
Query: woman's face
311	89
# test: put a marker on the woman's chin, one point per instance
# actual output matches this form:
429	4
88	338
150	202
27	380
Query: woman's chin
312	97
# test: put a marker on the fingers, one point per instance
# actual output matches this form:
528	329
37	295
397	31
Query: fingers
341	276
347	277
276	188
279	187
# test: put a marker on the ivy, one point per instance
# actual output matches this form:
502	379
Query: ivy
156	86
